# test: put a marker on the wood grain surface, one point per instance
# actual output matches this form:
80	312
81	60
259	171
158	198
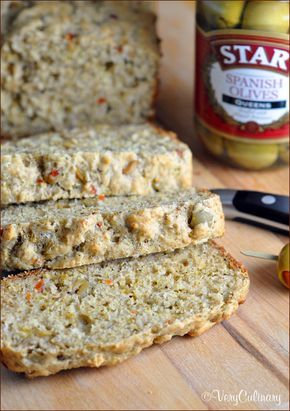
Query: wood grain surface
239	364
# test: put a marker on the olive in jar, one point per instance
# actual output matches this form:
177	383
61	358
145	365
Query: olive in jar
252	156
218	14
213	143
266	15
284	153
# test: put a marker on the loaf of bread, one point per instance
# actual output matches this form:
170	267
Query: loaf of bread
79	163
69	233
105	313
72	63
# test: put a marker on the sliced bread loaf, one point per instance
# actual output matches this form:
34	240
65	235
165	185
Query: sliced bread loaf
72	63
79	163
105	313
69	233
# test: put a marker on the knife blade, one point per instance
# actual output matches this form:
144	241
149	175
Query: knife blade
265	210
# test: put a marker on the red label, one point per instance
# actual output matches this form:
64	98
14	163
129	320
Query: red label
242	84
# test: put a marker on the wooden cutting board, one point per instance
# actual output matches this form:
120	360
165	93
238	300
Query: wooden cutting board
237	363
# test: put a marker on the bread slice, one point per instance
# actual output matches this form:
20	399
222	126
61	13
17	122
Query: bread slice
69	233
79	163
105	313
72	63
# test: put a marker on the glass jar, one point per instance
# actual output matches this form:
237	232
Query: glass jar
242	81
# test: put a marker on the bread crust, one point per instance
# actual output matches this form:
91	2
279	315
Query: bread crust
232	261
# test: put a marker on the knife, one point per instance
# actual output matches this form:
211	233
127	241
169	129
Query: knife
265	210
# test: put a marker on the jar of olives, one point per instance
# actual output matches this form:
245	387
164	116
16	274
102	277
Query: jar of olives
242	81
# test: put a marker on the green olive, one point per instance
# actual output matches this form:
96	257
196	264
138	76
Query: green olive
267	15
220	14
284	153
283	266
213	143
252	156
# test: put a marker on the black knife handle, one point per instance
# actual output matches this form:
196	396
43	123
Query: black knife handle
270	206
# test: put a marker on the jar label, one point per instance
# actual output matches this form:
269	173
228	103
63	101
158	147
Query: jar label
243	91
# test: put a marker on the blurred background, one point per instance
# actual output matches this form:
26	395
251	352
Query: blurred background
176	28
